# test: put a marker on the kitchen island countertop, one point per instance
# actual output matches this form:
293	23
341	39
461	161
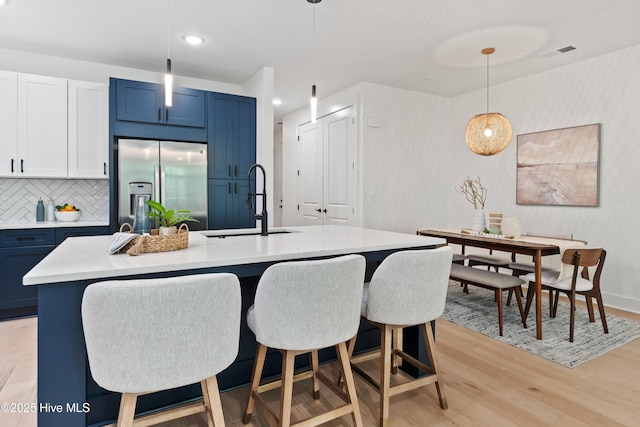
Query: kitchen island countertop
81	258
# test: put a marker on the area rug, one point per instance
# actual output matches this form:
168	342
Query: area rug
478	311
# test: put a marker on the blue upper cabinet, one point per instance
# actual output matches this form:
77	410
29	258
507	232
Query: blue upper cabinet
144	102
232	131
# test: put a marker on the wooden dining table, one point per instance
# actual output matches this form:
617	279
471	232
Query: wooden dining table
537	249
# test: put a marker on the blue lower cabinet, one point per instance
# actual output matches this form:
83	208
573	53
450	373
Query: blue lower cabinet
20	251
18	300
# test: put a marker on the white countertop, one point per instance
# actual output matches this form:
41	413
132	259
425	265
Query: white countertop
53	224
81	258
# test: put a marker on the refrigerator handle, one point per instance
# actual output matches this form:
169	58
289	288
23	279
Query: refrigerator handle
156	183
162	186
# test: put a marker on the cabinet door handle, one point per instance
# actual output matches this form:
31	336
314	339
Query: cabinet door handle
104	168
21	165
229	170
24	239
235	189
11	165
166	116
159	114
229	188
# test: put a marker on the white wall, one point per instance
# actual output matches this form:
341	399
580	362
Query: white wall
417	156
260	86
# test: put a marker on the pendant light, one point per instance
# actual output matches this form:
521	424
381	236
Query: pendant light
488	133
168	76
314	99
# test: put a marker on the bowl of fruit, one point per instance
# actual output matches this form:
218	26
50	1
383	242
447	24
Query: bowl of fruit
67	213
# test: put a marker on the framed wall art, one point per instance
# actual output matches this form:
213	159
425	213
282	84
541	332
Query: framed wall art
559	167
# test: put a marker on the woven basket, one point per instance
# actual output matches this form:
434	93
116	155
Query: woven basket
155	242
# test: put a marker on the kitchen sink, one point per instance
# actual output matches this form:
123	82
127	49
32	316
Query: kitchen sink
236	233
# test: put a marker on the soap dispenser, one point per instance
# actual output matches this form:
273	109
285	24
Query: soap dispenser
51	211
40	211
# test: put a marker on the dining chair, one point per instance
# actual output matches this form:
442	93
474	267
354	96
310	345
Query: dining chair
574	284
148	335
409	288
299	308
521	267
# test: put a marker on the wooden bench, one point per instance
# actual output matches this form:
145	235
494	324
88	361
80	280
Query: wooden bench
490	280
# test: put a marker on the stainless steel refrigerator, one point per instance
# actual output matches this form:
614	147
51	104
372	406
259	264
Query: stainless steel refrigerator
172	173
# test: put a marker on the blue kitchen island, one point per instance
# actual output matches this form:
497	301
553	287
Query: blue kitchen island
67	394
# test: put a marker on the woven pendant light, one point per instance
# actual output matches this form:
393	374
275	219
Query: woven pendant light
488	133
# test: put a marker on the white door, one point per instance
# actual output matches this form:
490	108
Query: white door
8	123
42	126
340	177
310	173
88	130
328	170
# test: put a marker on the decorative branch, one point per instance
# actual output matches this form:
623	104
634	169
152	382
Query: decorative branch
474	192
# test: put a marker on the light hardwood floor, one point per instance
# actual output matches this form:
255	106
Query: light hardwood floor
488	383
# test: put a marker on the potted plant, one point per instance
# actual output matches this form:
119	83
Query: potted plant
168	218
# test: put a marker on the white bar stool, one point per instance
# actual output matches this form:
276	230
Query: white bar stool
148	335
408	288
301	307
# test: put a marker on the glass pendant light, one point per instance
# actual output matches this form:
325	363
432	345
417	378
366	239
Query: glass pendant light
488	133
314	104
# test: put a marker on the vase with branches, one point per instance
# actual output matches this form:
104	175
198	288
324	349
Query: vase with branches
476	194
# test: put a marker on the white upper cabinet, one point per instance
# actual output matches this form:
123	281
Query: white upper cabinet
53	128
8	123
88	130
42	126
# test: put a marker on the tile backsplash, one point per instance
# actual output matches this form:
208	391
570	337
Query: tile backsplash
19	196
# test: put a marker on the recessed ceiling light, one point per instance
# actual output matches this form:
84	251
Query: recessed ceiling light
277	101
190	38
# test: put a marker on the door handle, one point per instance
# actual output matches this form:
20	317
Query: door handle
21	165
318	210
229	170
156	183
159	114
11	165
166	115
229	188
104	168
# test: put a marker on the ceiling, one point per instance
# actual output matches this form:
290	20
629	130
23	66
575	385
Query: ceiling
431	46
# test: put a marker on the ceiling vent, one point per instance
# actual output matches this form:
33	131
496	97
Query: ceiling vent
557	51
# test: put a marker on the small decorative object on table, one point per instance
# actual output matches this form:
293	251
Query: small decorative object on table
168	219
155	242
511	226
476	194
495	219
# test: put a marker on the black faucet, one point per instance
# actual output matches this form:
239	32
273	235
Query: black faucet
262	216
